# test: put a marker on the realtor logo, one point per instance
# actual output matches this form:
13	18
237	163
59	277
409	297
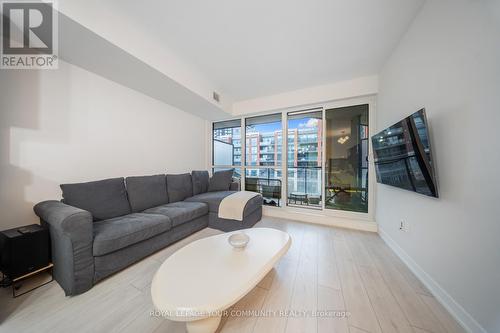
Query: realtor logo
29	35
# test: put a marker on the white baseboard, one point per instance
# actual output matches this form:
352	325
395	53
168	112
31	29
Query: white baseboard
319	217
455	309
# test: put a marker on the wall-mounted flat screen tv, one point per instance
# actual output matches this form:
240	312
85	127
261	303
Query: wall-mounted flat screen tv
403	156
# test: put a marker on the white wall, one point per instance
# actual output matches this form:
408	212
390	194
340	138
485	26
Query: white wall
357	87
70	125
449	63
112	23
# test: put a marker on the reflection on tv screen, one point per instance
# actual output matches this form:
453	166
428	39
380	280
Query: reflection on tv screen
403	155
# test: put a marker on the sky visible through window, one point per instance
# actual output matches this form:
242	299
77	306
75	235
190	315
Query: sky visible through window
276	126
265	128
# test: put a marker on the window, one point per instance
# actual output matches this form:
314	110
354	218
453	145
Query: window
304	159
325	165
226	144
346	171
263	157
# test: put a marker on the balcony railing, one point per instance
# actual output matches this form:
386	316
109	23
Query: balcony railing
269	188
304	186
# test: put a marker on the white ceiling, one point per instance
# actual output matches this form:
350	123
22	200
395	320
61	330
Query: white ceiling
261	47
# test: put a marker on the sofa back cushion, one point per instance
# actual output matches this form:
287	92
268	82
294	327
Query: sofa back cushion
104	199
200	181
146	192
179	187
221	180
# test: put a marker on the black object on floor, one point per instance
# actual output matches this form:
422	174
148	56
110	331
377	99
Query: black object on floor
25	251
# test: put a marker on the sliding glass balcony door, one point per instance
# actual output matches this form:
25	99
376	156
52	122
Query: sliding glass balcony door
346	164
304	159
263	169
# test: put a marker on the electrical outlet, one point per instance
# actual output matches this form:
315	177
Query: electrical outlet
404	226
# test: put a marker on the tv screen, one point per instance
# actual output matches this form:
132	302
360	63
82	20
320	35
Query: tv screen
403	155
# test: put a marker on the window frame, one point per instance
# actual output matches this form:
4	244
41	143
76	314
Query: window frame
306	111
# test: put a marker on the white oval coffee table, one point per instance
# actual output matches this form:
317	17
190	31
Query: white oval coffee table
207	276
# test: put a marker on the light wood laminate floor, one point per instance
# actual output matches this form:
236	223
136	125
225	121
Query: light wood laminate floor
326	271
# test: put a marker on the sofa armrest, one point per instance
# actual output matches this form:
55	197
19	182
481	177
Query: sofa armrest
71	234
234	186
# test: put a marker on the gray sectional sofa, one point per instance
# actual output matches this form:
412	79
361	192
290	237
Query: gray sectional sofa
102	227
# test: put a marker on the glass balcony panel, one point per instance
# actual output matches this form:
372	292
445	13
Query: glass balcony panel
266	181
226	143
304	186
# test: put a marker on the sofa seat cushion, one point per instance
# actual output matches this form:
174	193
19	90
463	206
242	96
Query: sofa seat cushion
104	199
119	232
212	199
180	212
